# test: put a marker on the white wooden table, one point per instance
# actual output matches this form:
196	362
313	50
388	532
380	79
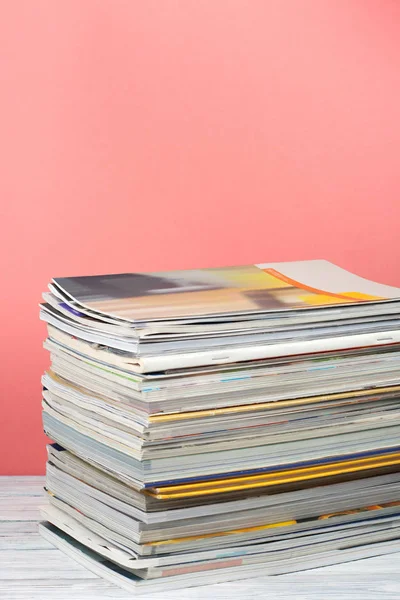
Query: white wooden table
31	568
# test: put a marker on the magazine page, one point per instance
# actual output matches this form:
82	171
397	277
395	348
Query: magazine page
254	288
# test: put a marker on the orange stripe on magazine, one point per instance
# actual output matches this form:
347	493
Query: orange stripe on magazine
347	296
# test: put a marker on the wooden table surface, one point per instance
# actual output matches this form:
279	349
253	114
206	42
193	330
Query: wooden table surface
31	568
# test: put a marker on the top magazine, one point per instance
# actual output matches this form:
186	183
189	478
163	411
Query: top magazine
208	294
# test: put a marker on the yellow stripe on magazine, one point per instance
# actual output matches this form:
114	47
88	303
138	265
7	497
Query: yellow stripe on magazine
196	414
269	479
271	526
221	533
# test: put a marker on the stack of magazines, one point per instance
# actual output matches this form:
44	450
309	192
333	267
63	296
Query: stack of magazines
219	424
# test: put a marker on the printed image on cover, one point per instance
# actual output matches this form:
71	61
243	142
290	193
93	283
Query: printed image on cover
188	293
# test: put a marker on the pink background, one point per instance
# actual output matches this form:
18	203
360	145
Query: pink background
157	134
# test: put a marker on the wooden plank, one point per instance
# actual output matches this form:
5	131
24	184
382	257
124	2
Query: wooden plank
21	535
21	508
274	588
62	589
18	527
21	486
40	564
22	541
